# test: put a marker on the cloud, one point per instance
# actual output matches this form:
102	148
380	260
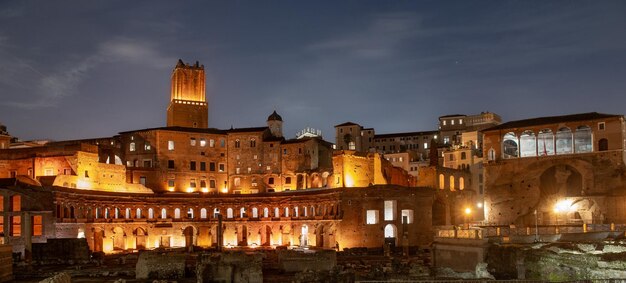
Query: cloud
65	79
380	39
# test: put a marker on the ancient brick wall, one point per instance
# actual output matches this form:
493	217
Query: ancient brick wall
588	183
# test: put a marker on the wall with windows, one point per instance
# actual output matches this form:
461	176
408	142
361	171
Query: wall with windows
575	137
397	215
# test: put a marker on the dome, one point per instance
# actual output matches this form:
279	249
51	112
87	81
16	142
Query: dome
274	117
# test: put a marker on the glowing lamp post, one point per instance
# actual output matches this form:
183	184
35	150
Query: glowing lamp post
468	212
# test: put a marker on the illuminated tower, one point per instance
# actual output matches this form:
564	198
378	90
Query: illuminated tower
188	106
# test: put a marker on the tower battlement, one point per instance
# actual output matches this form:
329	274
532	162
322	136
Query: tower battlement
188	104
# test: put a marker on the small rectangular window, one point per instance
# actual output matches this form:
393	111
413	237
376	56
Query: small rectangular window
16	226
142	180
170	145
212	184
202	142
16	203
202	166
170	183
192	142
211	143
212	166
170	164
222	143
371	217
390	210
192	166
221	166
407	216
601	126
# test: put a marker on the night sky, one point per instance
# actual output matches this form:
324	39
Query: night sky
87	69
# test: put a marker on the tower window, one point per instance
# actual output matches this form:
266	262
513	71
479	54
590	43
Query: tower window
170	145
192	141
237	143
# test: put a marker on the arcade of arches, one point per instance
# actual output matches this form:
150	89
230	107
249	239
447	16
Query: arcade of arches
318	219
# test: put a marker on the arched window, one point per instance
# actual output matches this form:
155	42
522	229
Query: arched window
163	213
203	213
150	213
286	212
190	213
117	213
276	212
177	213
461	183
442	182
242	212
266	212
216	212
390	231
603	145
127	213
252	143
582	140
452	183
296	212
255	212
229	213
545	142
509	146
138	213
237	143
564	141
528	144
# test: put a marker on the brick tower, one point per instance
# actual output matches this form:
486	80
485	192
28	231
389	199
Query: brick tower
188	106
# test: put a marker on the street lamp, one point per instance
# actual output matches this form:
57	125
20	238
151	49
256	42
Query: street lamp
468	211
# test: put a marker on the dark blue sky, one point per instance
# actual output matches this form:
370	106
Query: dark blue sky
81	69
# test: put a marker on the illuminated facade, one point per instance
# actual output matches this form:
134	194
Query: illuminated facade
188	105
165	187
537	164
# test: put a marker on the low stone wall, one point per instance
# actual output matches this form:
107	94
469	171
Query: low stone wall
6	263
61	251
558	261
156	265
317	260
227	267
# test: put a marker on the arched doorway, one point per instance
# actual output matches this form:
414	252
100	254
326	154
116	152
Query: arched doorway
188	233
391	233
319	237
118	239
140	239
242	236
266	235
304	236
98	237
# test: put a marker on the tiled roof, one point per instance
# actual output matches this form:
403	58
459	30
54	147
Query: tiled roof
394	135
180	129
347	124
552	120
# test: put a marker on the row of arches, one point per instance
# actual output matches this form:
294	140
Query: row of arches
451	183
116	238
324	210
546	142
